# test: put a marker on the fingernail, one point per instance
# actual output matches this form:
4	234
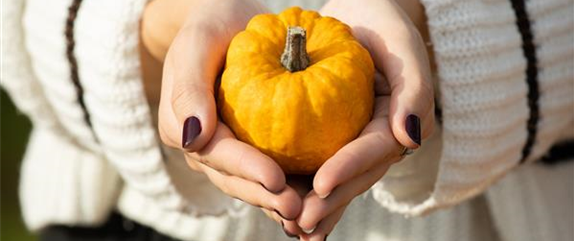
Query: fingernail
324	196
191	129
325	239
413	126
281	215
277	192
309	231
290	235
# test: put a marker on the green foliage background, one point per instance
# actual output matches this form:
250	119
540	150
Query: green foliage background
14	132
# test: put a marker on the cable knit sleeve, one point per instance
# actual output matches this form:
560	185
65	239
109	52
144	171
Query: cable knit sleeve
107	50
505	80
74	68
17	77
106	37
54	169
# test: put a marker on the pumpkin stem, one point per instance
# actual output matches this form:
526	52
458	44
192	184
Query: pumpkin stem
294	57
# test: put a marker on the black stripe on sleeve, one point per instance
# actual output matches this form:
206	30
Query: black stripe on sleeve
529	50
70	45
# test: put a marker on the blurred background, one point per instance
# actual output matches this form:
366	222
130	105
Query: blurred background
14	132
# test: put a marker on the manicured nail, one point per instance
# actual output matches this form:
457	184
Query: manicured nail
309	231
324	196
413	126
281	215
277	192
290	235
191	129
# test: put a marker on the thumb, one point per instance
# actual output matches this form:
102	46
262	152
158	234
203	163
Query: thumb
411	112
195	110
403	59
190	71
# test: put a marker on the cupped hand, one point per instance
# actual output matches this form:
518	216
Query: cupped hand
403	115
188	116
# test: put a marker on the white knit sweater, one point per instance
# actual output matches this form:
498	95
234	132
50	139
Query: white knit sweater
76	174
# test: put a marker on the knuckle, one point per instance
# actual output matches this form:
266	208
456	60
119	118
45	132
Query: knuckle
277	203
381	139
202	160
225	187
203	30
182	96
192	163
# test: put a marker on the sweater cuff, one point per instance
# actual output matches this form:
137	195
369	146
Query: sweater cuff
485	110
69	187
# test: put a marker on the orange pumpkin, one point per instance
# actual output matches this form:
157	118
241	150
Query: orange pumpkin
297	86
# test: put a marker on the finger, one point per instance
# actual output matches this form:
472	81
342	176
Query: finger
229	155
326	226
373	147
192	65
289	227
405	64
399	52
287	203
381	85
316	208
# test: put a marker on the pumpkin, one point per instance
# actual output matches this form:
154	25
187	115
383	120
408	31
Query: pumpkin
297	86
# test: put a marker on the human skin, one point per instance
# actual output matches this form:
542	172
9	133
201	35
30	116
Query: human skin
380	25
402	87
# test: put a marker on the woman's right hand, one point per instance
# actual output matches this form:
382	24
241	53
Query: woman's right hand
188	116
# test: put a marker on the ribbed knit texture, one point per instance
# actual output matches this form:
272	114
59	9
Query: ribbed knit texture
61	182
553	28
481	73
107	54
482	81
45	41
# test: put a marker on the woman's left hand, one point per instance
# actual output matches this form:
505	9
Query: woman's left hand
403	114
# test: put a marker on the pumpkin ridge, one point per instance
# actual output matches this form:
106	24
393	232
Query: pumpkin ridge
326	49
332	30
260	59
264	36
268	32
345	83
240	47
302	118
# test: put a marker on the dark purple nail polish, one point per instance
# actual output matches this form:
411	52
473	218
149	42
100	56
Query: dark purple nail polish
290	235
191	129
280	215
413	126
